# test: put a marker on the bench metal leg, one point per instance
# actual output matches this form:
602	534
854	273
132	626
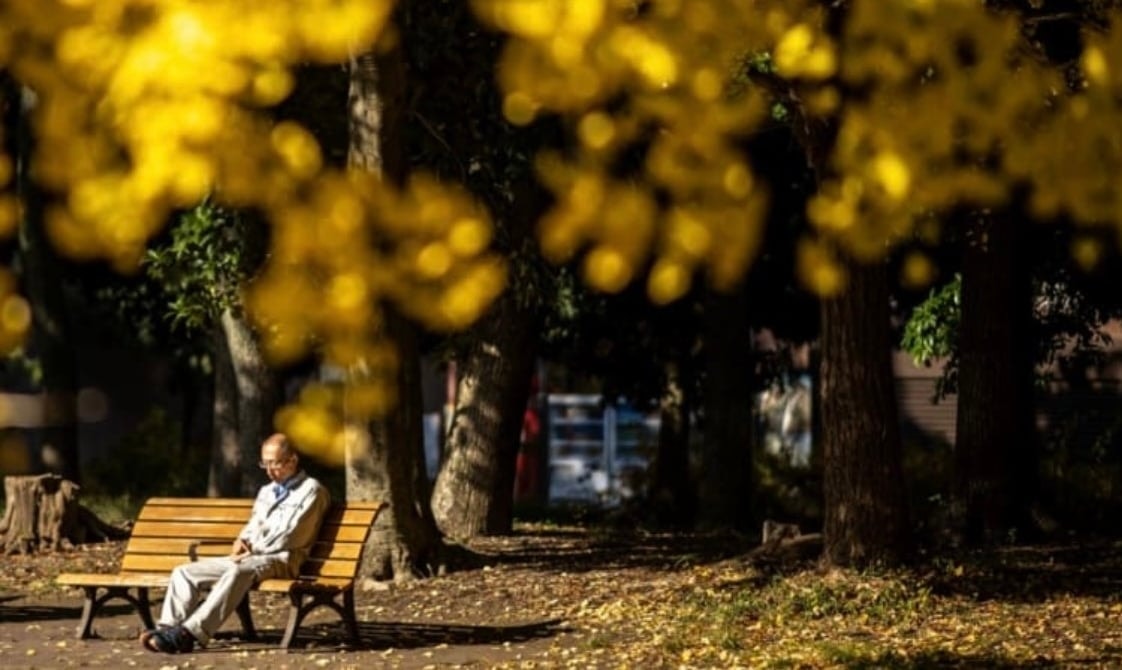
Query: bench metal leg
296	614
299	608
249	632
348	614
144	608
93	603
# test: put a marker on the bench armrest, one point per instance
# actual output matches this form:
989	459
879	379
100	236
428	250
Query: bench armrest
193	548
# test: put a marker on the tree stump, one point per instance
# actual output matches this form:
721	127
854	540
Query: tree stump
20	525
42	513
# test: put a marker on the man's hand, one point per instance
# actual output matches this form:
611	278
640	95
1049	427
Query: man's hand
240	550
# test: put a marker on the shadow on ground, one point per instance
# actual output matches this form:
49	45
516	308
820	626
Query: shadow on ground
1034	574
379	635
32	613
622	549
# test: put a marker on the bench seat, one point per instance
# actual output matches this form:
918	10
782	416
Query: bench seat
171	531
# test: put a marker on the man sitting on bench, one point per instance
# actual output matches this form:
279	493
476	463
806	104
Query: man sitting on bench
276	539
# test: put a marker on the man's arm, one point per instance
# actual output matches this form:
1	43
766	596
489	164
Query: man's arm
243	544
240	549
298	527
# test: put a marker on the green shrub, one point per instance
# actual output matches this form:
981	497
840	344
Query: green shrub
147	462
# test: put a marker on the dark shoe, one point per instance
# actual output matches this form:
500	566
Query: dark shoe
157	639
184	640
175	640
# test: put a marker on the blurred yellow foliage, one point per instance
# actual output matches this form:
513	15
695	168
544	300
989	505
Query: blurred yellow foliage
15	314
937	104
663	75
148	106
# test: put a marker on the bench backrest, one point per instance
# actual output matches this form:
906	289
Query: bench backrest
167	527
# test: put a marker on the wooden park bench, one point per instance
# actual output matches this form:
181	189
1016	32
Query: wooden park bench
171	531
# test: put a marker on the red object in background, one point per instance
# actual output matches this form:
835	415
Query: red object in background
526	474
531	426
526	465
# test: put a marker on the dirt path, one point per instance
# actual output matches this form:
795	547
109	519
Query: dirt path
570	597
526	608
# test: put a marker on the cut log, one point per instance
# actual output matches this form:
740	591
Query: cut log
42	513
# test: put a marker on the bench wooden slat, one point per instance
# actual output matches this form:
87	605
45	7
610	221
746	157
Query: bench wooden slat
158	563
287	585
210	514
201	502
151	562
337	551
315	567
205	530
179	547
350	517
149	580
331	533
167	527
200	530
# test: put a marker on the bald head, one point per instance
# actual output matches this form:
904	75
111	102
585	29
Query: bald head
280	443
278	457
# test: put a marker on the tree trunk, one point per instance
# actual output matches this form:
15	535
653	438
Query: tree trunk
724	498
994	457
225	478
42	513
671	494
405	541
258	396
474	490
866	521
50	330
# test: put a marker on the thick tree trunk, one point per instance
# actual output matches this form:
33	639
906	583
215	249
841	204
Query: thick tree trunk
225	478
258	396
866	521
671	493
405	541
42	513
994	458
474	490
724	498
376	100
50	330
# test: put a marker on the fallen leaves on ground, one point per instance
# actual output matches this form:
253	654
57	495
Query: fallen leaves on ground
571	596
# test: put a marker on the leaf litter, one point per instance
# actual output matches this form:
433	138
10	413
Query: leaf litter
576	597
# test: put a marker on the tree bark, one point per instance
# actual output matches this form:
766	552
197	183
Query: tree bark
866	521
724	498
405	541
994	456
225	478
258	396
20	525
474	490
671	493
50	331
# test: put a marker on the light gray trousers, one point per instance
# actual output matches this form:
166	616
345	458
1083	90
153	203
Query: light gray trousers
228	582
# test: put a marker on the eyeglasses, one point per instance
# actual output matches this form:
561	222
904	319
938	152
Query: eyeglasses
265	465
